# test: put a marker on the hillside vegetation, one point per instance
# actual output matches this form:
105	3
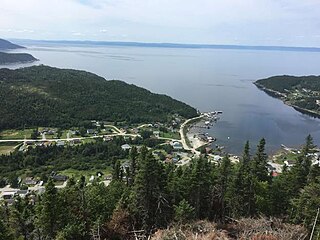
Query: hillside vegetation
5	45
9	58
47	96
300	92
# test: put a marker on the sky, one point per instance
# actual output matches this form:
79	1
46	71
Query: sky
240	22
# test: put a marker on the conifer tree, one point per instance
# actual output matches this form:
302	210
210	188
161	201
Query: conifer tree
149	201
49	211
223	185
244	186
259	165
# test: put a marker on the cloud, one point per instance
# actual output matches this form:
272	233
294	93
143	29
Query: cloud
202	21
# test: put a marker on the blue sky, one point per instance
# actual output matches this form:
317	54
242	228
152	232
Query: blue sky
243	22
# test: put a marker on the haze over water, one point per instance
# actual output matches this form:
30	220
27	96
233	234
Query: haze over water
207	79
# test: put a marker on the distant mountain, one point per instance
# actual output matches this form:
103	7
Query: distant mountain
6	45
169	45
10	58
302	93
47	96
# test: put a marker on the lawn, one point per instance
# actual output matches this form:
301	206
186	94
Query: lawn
7	148
174	135
87	173
15	134
283	156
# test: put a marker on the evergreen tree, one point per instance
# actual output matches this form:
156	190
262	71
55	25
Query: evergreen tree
22	217
201	187
259	167
244	186
49	211
307	204
183	212
116	175
149	198
133	161
223	186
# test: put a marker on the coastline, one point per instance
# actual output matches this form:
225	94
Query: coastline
280	96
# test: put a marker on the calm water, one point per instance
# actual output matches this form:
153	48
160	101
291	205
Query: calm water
207	79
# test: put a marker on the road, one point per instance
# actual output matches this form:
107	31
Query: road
183	137
119	133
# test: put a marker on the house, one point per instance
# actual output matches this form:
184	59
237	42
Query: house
29	181
217	158
22	193
126	147
60	143
8	196
289	163
176	145
60	178
91	131
51	132
107	138
156	134
108	177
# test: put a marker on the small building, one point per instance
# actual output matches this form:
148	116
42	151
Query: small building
60	178
289	163
126	147
107	138
217	158
156	134
29	181
60	143
8	195
22	193
91	131
176	145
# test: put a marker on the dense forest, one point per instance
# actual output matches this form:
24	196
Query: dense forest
301	92
148	195
47	96
9	58
6	45
286	83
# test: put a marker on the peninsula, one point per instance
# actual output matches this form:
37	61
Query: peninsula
11	58
6	45
302	93
47	96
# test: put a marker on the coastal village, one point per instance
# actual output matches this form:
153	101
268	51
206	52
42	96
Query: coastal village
186	139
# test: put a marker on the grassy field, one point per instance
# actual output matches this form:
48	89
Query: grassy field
6	148
88	173
15	134
283	156
174	135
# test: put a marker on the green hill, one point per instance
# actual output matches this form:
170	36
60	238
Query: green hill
47	96
303	93
9	58
6	45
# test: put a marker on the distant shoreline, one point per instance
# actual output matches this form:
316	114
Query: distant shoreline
171	45
279	95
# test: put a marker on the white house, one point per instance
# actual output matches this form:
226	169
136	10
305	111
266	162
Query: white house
126	147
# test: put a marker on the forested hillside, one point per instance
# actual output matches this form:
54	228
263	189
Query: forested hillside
9	58
6	45
47	96
286	83
303	93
